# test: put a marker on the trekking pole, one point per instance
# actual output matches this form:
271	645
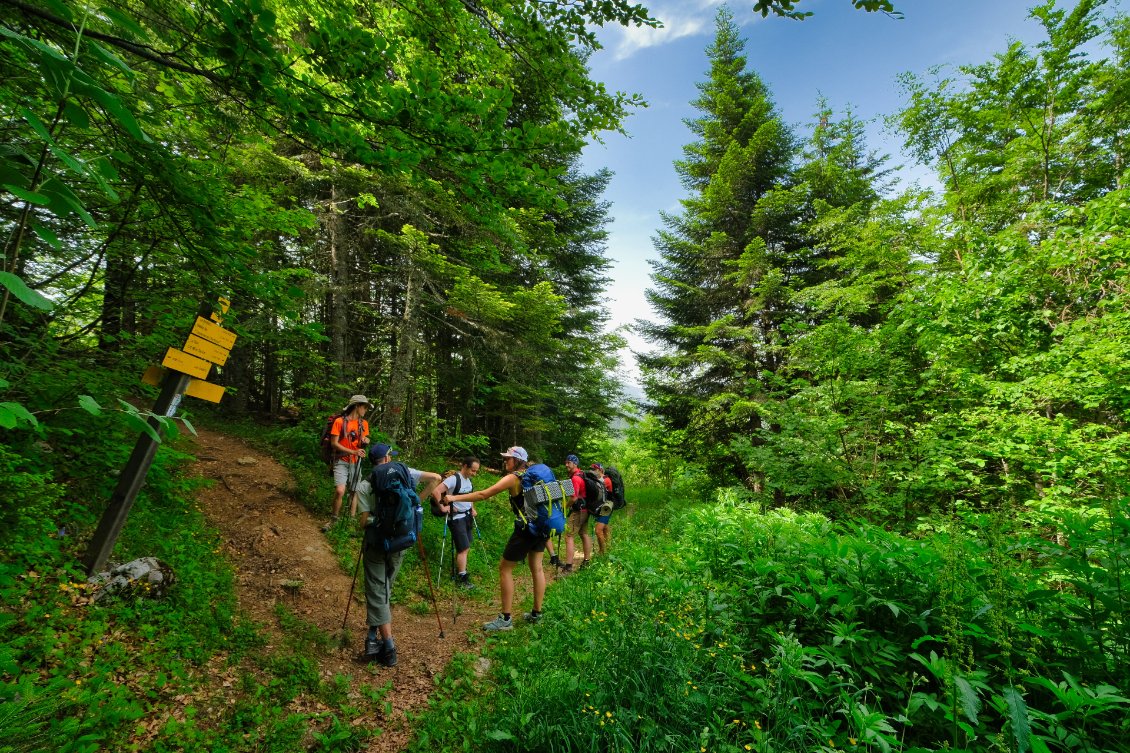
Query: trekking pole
454	586
343	637
432	588
439	565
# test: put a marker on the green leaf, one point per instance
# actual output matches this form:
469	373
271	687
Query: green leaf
122	21
29	196
970	703
1017	712
89	404
110	58
188	425
20	290
64	201
58	8
12	414
497	734
119	112
48	236
140	424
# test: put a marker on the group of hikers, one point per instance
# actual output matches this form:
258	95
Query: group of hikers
530	488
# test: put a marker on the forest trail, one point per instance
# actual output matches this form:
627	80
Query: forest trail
274	542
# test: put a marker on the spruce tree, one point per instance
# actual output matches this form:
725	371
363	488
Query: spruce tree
715	347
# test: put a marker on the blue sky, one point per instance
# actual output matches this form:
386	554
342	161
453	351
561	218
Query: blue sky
850	57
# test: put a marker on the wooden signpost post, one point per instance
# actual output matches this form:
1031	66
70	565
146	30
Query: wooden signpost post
185	372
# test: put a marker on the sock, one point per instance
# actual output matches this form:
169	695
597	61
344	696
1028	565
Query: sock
372	633
535	612
506	615
463	574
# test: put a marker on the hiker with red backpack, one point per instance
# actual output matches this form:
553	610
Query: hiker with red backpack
578	516
531	530
344	442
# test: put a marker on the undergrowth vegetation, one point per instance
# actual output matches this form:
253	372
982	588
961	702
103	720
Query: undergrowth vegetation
719	628
185	672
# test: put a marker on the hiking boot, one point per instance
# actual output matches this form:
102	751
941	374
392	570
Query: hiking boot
585	563
555	561
374	647
387	657
464	582
566	570
332	522
499	623
532	617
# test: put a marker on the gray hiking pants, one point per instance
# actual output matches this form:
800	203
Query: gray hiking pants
380	574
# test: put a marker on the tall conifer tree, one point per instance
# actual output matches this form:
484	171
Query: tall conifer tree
713	343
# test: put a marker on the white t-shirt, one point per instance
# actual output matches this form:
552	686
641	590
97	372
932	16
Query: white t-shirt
464	487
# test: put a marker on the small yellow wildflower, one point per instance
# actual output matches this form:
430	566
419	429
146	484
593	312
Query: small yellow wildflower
757	724
608	714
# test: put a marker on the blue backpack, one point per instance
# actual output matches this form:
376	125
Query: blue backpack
543	501
398	516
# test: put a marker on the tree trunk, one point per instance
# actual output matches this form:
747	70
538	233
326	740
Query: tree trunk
339	279
400	375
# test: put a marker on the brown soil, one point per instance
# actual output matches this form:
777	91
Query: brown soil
280	555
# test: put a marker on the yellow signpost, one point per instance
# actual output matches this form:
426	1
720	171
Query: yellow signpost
208	344
209	351
178	360
213	333
205	391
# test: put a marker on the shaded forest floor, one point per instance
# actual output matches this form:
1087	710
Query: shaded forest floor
281	557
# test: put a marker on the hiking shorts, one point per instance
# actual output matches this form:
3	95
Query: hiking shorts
380	575
603	518
576	522
521	545
461	532
343	472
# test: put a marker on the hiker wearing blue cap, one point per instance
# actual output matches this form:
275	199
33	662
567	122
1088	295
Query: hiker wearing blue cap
523	545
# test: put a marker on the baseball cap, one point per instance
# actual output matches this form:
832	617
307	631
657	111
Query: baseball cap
518	453
358	399
597	467
380	450
572	459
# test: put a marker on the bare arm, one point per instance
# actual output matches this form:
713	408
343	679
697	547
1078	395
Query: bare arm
508	483
430	481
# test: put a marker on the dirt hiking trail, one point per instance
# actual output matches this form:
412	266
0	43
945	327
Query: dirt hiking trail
275	543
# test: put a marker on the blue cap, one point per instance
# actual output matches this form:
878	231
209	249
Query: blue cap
572	459
380	450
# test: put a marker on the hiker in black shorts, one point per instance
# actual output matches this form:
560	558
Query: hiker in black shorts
522	544
461	516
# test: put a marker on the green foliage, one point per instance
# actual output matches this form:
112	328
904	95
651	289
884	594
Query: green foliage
720	627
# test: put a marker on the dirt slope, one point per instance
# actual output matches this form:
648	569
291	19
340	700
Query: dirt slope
275	543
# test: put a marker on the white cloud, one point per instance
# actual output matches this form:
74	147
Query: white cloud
677	23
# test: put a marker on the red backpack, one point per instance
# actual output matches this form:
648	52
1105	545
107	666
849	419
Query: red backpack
329	454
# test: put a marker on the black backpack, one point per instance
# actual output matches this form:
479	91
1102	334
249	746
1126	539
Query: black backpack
618	499
594	492
398	516
326	448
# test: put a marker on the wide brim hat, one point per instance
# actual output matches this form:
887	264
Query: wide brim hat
358	400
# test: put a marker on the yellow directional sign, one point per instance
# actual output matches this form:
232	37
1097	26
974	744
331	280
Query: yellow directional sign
209	351
180	361
213	333
153	376
224	304
205	391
